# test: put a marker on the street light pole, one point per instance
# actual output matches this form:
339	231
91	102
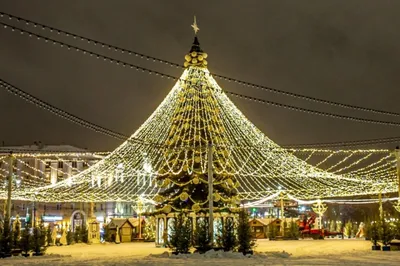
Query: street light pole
210	193
10	174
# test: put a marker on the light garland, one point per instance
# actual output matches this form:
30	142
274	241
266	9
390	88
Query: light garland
194	113
157	73
154	59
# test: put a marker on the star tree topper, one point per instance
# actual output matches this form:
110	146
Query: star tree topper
194	26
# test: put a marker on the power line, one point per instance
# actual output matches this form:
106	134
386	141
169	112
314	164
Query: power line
149	71
61	113
172	64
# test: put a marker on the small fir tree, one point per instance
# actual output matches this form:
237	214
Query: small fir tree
332	226
202	241
293	231
26	241
367	230
245	239
180	237
70	237
150	229
348	229
6	238
16	233
375	233
84	234
37	241
77	234
386	233
272	231
397	229
49	237
43	234
229	241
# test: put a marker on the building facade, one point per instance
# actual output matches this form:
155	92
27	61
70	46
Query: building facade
39	165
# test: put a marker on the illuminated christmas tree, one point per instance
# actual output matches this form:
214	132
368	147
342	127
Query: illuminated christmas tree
196	123
166	159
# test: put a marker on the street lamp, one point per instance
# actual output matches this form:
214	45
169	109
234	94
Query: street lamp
139	208
9	183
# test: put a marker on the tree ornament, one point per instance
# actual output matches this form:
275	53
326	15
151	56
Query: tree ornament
166	182
159	198
196	207
167	209
205	55
196	180
193	54
186	64
216	197
194	61
184	196
188	58
200	58
229	182
197	159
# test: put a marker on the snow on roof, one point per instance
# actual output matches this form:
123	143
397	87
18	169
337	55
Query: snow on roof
42	148
119	222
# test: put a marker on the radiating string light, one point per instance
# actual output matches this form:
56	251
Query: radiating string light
154	59
157	73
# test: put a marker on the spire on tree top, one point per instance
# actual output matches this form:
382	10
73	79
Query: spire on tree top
196	56
194	26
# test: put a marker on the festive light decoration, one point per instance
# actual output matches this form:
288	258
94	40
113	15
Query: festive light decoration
154	59
29	168
125	64
194	113
319	208
173	141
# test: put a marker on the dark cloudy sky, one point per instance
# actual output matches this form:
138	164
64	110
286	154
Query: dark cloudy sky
346	51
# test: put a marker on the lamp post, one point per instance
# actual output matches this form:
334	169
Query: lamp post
9	187
210	192
139	209
397	155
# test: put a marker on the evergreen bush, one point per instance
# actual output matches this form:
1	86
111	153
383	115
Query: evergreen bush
16	233
37	241
77	234
49	237
228	240
6	238
70	237
272	231
202	241
84	234
367	230
374	233
150	229
245	239
293	231
181	235
26	242
386	233
348	228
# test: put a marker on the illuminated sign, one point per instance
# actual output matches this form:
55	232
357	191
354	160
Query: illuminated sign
51	218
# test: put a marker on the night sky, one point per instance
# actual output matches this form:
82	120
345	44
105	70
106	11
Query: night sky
346	51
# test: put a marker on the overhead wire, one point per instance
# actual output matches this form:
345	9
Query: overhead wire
172	64
254	99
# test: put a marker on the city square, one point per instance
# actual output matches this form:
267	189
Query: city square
219	168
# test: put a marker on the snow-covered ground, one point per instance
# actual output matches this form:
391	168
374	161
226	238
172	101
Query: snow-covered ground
302	252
